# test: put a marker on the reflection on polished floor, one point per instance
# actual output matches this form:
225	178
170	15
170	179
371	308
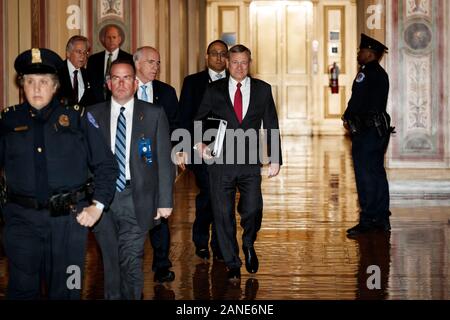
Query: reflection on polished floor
302	247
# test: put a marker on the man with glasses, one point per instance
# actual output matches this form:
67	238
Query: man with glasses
192	92
75	87
147	63
138	134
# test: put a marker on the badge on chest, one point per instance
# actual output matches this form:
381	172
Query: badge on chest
145	150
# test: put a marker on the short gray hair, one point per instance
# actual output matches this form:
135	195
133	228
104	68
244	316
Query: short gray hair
77	38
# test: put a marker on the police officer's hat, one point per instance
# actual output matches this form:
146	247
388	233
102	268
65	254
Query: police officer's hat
370	43
37	60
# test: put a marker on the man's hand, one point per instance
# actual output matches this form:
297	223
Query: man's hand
163	213
274	169
203	151
89	216
181	159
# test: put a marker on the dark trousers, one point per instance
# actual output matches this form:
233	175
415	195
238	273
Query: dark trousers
40	247
225	180
368	150
122	243
204	218
160	240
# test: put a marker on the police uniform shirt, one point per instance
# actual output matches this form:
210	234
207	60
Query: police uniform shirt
369	91
71	144
115	112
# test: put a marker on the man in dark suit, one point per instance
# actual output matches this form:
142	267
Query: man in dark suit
138	134
99	64
75	87
244	110
147	63
192	92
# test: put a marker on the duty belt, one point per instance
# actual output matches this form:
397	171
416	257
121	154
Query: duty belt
58	204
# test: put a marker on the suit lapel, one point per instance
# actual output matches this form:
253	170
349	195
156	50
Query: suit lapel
230	105
156	91
253	98
104	122
137	131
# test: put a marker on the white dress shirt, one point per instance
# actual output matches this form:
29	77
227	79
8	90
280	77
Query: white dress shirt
115	55
245	90
213	74
80	79
149	90
128	113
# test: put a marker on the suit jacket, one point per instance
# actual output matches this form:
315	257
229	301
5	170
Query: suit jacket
217	103
96	72
152	184
66	89
194	87
166	96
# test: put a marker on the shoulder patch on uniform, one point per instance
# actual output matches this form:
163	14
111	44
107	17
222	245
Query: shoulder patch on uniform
360	77
92	120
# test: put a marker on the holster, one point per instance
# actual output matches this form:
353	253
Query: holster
380	120
59	204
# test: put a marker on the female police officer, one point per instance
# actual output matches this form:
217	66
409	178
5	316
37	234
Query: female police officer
46	152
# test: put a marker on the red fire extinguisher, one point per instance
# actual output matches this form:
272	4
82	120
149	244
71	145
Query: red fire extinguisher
334	78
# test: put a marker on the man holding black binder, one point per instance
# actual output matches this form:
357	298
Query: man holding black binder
244	103
194	87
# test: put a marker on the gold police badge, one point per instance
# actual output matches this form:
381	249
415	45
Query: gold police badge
64	120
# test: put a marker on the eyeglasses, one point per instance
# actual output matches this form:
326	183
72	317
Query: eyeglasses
220	55
237	63
153	62
81	52
117	79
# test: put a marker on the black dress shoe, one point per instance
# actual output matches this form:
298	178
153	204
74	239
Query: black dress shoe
251	259
202	253
234	274
164	275
359	229
217	255
383	225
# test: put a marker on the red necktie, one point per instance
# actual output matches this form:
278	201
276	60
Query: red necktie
238	102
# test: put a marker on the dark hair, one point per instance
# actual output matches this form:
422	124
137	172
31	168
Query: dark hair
214	42
122	61
74	39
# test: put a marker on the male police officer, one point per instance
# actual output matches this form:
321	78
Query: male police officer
369	124
46	152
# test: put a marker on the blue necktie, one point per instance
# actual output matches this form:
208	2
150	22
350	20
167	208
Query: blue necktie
144	95
218	76
120	150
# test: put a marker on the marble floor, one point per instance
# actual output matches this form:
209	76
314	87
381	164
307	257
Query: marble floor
302	246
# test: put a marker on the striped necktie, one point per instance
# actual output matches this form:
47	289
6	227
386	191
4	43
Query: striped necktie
144	95
120	149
